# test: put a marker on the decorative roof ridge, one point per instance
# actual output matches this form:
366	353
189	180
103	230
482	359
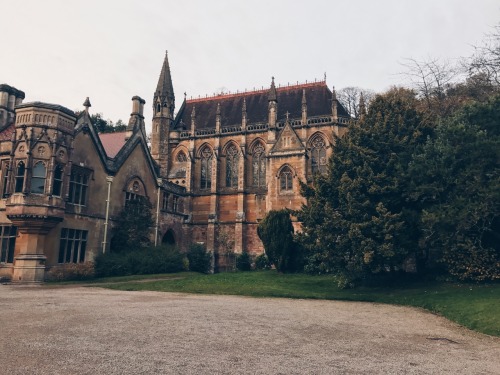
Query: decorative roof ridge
258	91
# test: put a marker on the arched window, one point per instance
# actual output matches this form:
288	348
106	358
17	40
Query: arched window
318	155
181	157
232	167
38	178
206	168
259	166
21	168
286	176
58	180
5	189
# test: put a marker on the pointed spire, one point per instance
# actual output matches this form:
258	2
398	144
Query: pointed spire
244	114
217	118
272	92
87	104
304	108
164	87
335	116
193	119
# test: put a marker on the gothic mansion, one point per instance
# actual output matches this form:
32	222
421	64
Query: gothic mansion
216	167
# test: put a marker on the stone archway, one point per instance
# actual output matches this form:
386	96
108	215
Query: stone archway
168	238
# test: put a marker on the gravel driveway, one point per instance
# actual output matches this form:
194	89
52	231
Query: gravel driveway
79	330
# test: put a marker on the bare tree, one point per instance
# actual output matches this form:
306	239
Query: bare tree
486	59
349	98
431	79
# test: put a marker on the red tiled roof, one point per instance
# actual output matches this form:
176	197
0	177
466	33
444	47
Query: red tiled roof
6	134
112	142
318	98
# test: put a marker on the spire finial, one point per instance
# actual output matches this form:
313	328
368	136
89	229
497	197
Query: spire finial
272	92
87	104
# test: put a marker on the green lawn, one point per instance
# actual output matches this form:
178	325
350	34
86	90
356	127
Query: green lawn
474	306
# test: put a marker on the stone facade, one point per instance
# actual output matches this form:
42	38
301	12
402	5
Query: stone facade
242	155
213	171
63	186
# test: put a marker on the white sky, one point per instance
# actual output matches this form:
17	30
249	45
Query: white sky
61	51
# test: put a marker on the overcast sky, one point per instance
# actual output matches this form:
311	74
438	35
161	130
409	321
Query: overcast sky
61	51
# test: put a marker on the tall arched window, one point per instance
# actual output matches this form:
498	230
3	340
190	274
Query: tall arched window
58	180
21	168
232	166
38	178
318	155
206	168
286	183
259	166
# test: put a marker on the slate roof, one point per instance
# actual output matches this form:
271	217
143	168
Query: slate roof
112	142
318	97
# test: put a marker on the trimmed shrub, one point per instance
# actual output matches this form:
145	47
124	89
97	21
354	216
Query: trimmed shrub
199	259
262	262
244	261
71	272
140	262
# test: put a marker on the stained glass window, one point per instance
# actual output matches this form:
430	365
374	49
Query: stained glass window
286	179
232	166
259	166
318	155
206	169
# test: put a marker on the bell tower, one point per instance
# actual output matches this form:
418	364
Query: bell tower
163	116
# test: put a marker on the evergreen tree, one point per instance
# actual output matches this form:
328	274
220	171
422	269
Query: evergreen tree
276	233
134	226
357	221
456	180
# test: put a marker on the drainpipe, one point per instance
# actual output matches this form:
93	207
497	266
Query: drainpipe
109	180
159	182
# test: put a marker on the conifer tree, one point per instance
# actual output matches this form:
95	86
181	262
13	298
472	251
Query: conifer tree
357	221
456	180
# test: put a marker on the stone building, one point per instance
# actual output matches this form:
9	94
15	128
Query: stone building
63	185
243	154
215	168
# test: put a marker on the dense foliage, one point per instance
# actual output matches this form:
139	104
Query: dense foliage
357	221
134	225
456	178
402	194
244	261
276	233
107	126
200	260
143	261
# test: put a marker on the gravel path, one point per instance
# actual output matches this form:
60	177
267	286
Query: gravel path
80	330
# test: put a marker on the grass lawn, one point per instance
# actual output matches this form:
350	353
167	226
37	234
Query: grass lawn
474	306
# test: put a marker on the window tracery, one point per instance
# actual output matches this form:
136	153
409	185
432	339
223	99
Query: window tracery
259	166
286	183
318	155
206	168
232	159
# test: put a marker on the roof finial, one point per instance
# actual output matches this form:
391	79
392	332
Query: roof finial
87	104
272	92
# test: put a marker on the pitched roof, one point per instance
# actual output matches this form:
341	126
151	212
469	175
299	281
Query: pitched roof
112	142
318	97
